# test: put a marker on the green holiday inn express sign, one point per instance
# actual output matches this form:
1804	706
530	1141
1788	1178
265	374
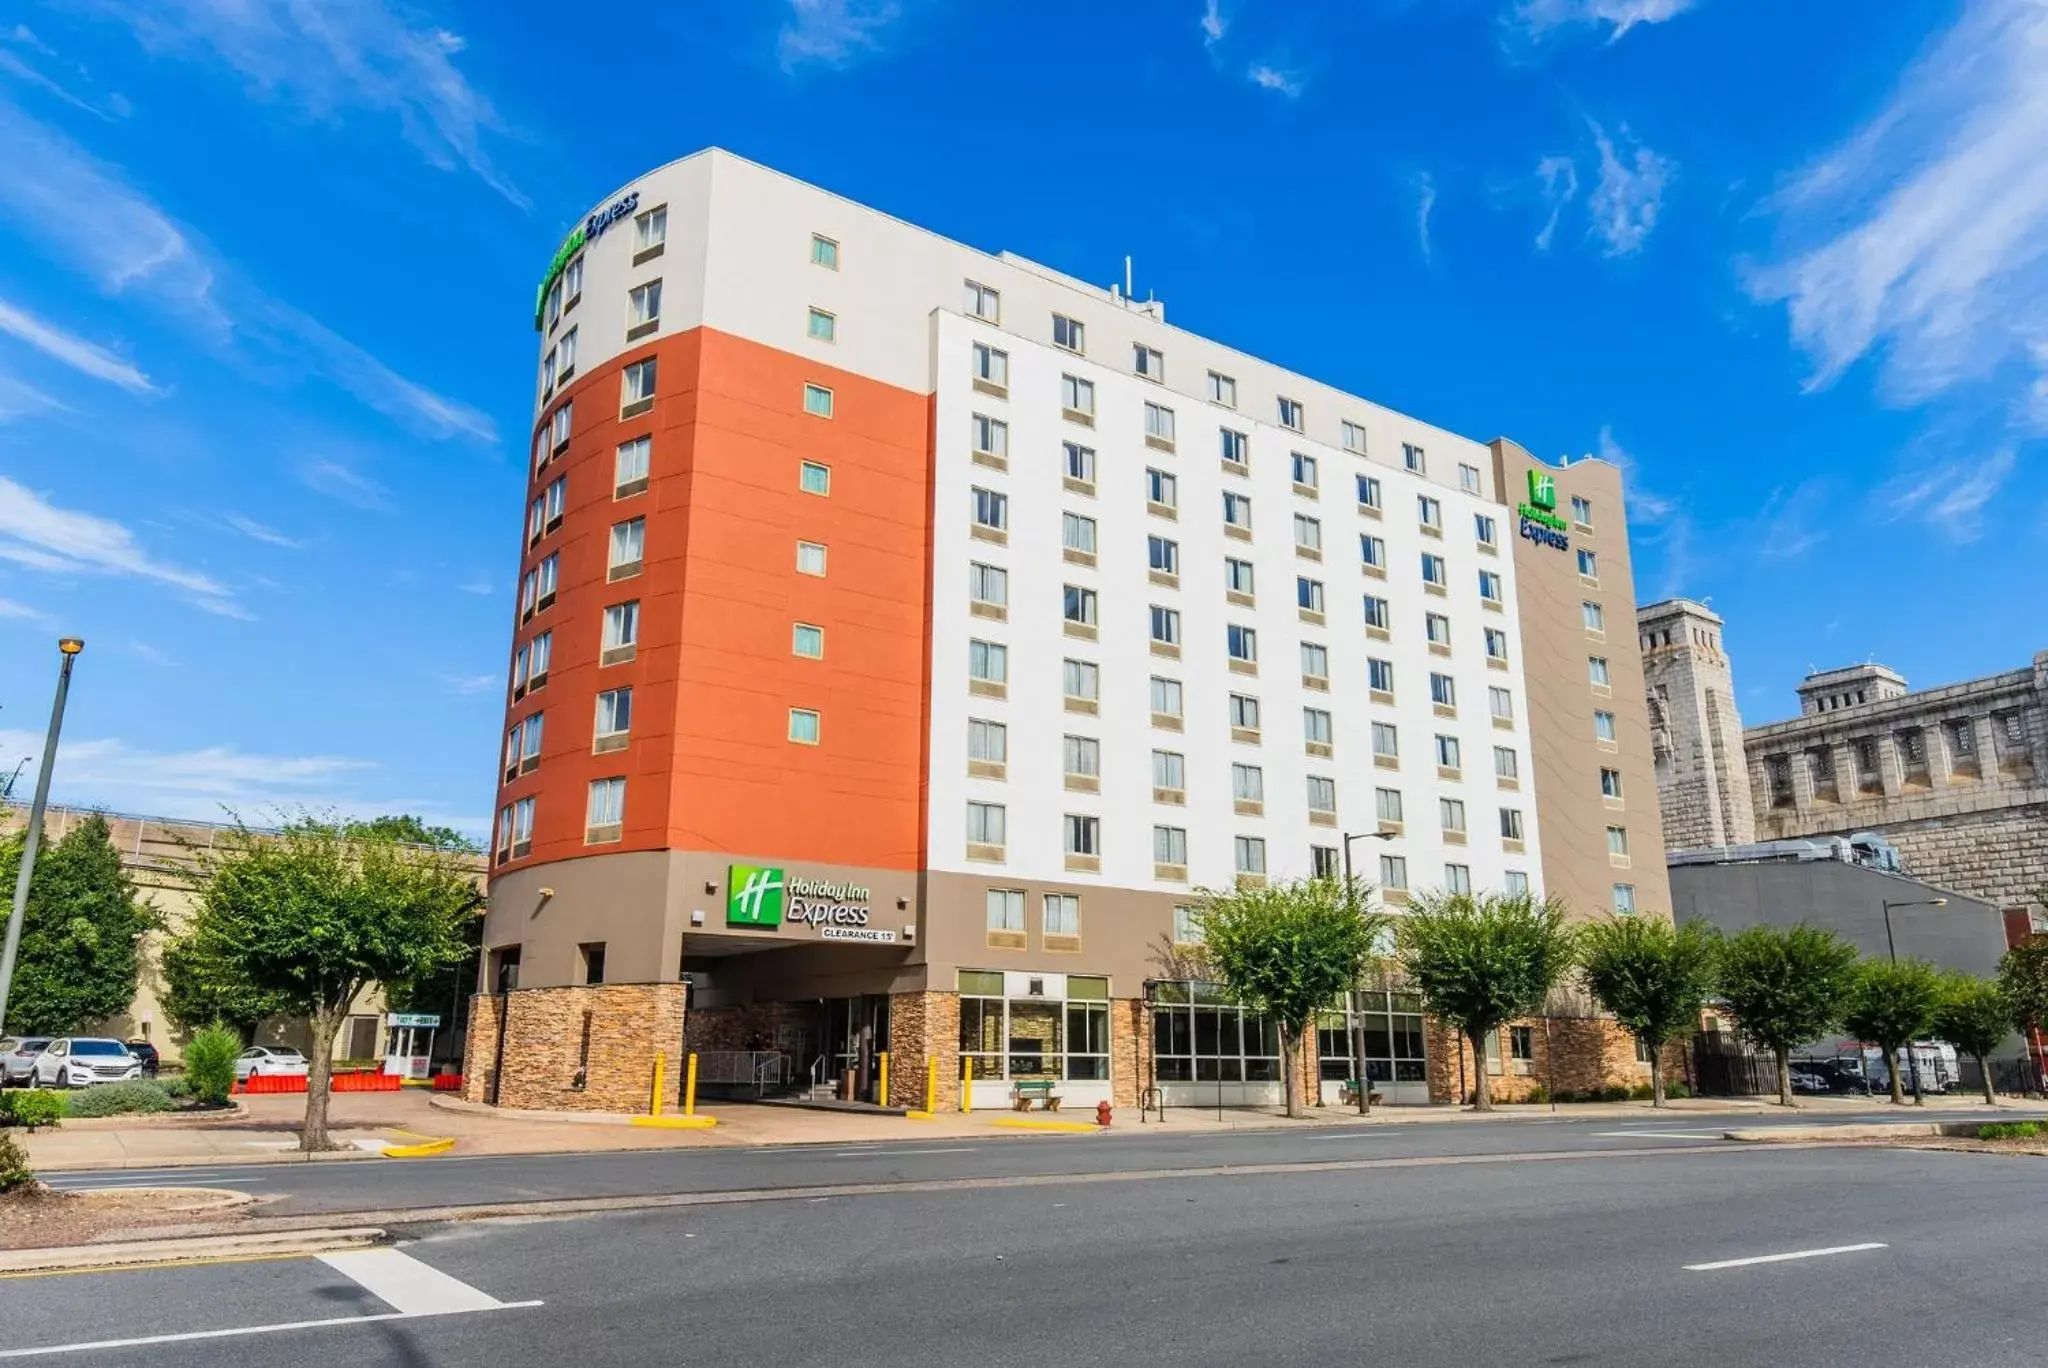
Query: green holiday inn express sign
1538	513
764	897
592	228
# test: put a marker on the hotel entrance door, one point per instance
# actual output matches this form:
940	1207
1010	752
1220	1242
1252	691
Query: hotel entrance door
853	1032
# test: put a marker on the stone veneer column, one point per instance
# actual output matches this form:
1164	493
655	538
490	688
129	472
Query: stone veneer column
480	1047
546	1066
1891	766
1130	1041
922	1025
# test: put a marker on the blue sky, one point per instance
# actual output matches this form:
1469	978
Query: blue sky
266	273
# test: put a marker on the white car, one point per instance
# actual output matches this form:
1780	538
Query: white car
81	1061
268	1061
18	1059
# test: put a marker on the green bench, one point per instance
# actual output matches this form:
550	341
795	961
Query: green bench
1027	1090
1349	1096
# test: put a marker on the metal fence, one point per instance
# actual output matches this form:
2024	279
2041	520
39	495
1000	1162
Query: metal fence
732	1072
1720	1067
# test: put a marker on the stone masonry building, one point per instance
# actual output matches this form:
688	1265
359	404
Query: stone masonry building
1695	731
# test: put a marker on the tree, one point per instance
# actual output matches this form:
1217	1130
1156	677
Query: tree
1288	950
407	829
77	964
1891	1004
200	991
2023	978
320	910
1974	1016
1481	961
1784	987
1653	977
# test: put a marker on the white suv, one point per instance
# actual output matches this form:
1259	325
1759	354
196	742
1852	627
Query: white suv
81	1061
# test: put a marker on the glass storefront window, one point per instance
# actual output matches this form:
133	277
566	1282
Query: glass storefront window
1200	1037
1392	1023
1034	1037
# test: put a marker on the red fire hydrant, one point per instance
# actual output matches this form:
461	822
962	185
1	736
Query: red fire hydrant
1102	1113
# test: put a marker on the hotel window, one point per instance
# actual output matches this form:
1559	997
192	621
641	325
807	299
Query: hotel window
1078	605
1353	436
1244	644
1372	551
1251	855
1289	412
1159	423
1166	697
1187	922
1428	511
1305	470
1077	533
991	436
518	840
1617	842
1624	899
1496	644
987	825
650	229
628	549
1148	362
630	467
543	650
1379	675
521	667
554	306
560	426
614	714
1610	783
1413	459
1458	879
606	817
1386	741
567	349
1222	390
555	502
1500	703
1244	713
1594	615
1237	511
1165	626
988	584
1308	534
1322	794
1450	814
643	308
522	746
636	384
1315	727
1490	586
1170	847
822	326
1163	555
1505	766
1077	395
1308	594
1161	488
807	641
1081	680
1582	510
810	558
1079	462
824	252
1596	671
1589	564
1237	576
1511	824
547	373
1449	755
1483	530
1005	905
1368	492
991	509
1515	883
814	478
1394	872
803	726
1083	834
1438	628
1315	661
529	594
1468	479
1169	772
988	661
1434	570
1069	333
1603	726
548	577
1235	447
1378	614
1083	757
621	632
572	284
817	401
1443	690
1248	783
983	303
1062	914
1386	804
991	365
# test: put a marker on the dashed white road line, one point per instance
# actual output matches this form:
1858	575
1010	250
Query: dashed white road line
1656	1135
1351	1135
1720	1264
872	1153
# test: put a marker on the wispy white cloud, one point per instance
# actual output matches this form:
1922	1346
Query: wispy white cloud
257	531
1644	504
1922	241
330	57
344	483
1425	201
1536	18
326	353
11	611
1269	77
1661	528
833	32
1629	195
1949	497
20	399
1560	177
1214	25
1790	522
87	358
469	684
479	585
41	536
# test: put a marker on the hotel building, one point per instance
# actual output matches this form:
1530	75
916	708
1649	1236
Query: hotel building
906	633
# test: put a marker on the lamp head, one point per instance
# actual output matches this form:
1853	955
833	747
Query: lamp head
71	646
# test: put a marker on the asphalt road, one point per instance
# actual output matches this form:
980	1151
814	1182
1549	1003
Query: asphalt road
454	1180
1932	1258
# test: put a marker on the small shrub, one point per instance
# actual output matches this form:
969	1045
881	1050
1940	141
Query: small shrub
210	1064
1677	1088
1641	1092
1539	1094
36	1107
1613	1092
121	1099
175	1086
14	1169
2009	1130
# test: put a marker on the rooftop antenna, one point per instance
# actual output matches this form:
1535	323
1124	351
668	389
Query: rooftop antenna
1127	275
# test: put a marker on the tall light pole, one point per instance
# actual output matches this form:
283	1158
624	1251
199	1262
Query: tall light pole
68	647
1892	950
1357	1027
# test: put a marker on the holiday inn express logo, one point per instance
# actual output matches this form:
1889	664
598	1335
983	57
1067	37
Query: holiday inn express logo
753	896
1542	490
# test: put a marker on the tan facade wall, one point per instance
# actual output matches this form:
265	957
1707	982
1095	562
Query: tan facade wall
1571	1055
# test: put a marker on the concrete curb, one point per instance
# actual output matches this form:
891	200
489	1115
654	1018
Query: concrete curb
1882	1130
207	1161
200	1249
155	1120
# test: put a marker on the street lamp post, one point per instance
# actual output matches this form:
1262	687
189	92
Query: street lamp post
68	647
1892	950
1358	1027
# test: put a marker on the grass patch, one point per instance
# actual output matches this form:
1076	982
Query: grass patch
2011	1130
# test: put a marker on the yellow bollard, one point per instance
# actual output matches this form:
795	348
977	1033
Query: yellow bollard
882	1081
931	1083
690	1087
654	1102
967	1086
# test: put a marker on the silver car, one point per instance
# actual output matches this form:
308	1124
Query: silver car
18	1058
81	1061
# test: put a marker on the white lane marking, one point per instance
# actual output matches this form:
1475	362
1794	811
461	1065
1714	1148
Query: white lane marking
1783	1258
864	1154
1351	1135
406	1285
1656	1135
190	1335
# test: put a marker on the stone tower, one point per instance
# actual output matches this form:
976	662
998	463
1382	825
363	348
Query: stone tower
1695	732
